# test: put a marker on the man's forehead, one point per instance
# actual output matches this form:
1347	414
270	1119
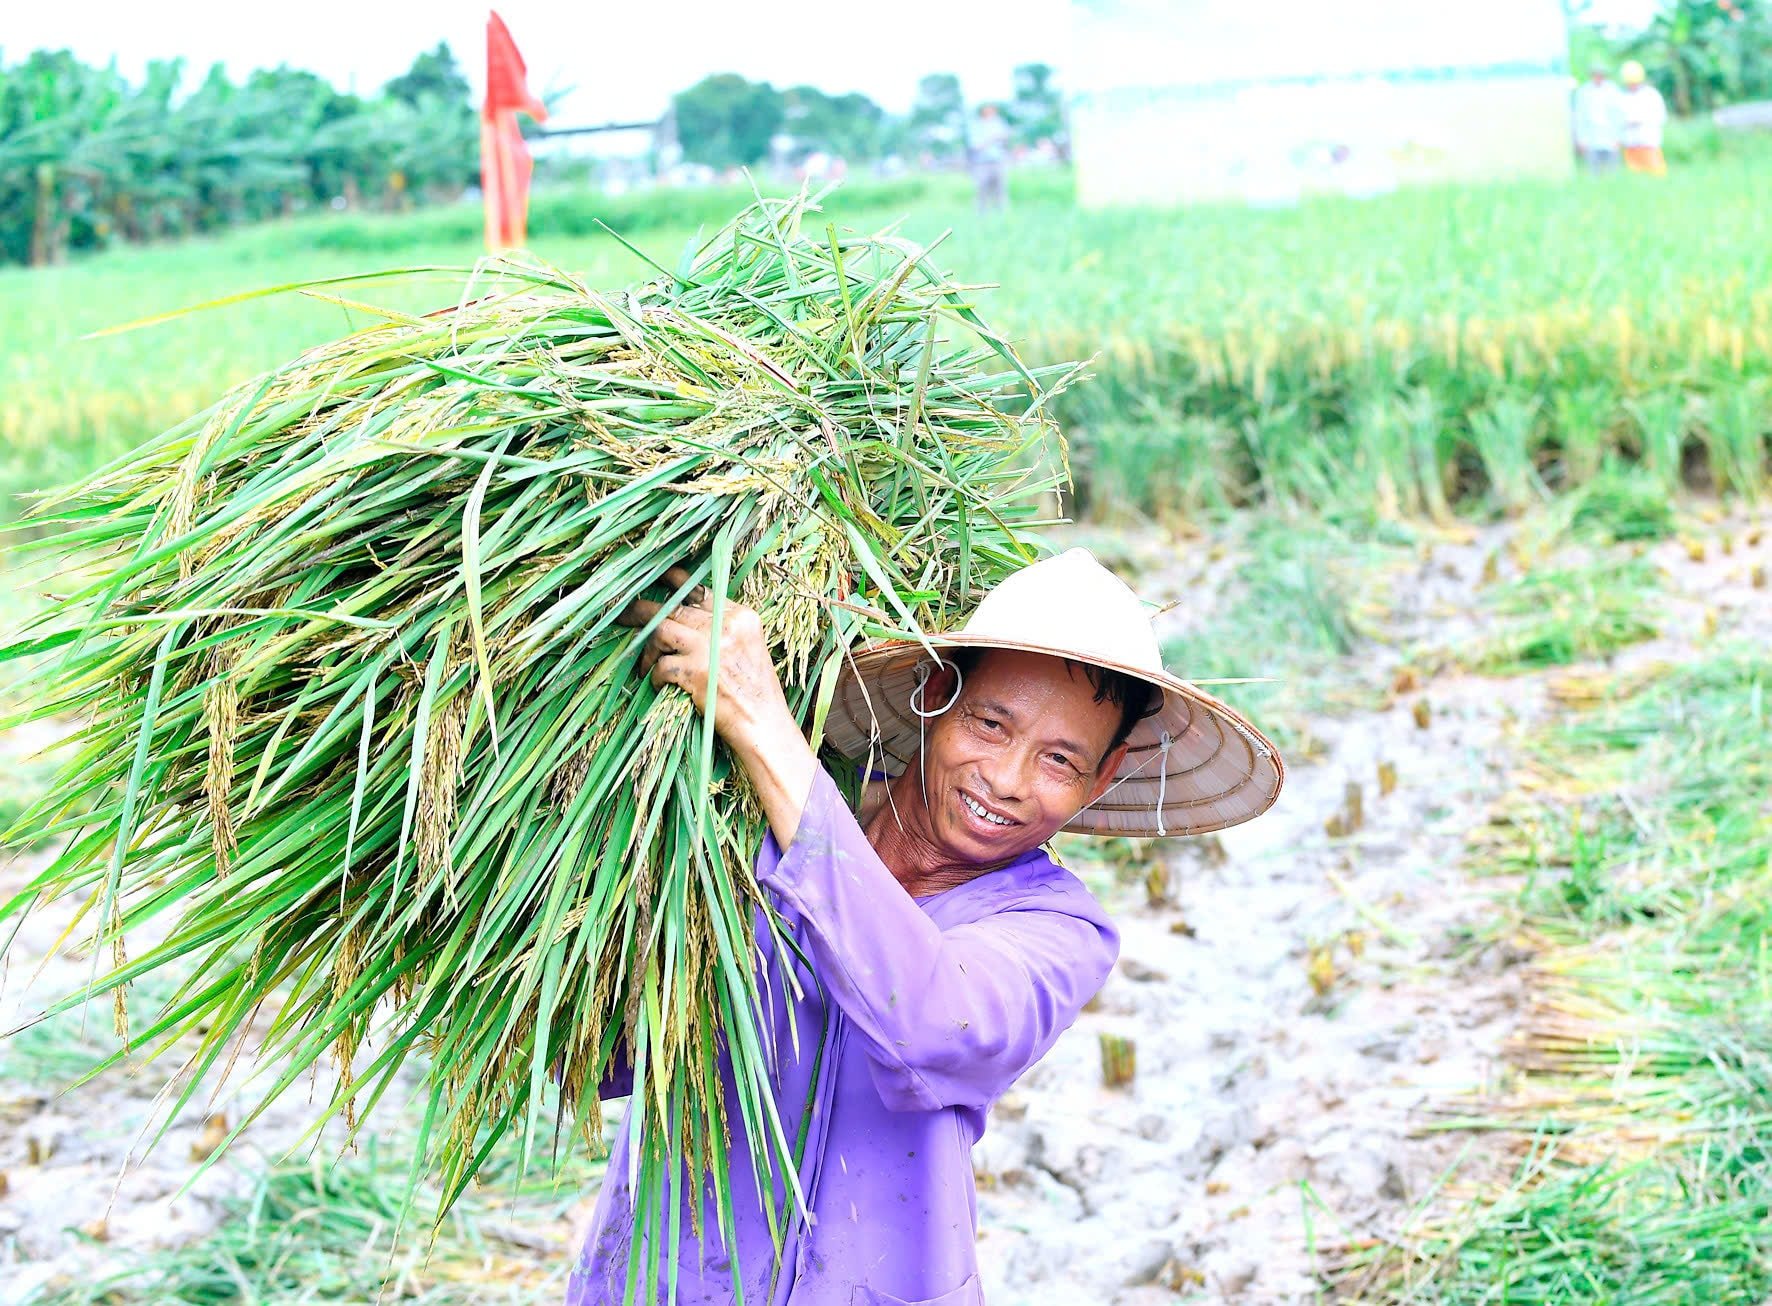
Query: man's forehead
1001	676
1014	664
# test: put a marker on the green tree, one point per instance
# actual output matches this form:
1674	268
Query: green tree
66	144
1037	109
1702	53
434	77
86	158
726	120
849	125
938	116
430	126
1698	53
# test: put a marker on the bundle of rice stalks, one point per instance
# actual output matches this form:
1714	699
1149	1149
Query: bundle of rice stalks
354	702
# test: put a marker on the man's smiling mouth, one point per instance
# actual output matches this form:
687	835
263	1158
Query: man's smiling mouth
984	813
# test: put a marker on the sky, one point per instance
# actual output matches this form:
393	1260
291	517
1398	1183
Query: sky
621	61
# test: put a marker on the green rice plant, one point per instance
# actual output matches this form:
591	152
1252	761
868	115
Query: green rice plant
1662	420
1153	464
1381	443
1556	616
1737	432
1582	417
1505	436
1293	470
1622	504
1215	311
1433	450
1645	1050
356	703
1295	609
564	212
1386	436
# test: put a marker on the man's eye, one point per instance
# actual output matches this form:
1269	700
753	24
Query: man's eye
1062	760
989	724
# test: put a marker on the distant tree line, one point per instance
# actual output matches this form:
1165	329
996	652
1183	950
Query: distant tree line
86	158
728	121
1700	54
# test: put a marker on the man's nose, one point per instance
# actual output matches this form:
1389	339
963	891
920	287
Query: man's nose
1006	774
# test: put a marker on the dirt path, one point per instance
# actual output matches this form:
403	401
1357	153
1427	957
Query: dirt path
1296	1004
1307	998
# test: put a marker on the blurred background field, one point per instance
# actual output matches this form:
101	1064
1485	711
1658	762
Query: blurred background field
1472	479
1401	353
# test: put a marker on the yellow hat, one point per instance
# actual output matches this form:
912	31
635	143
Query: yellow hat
1631	73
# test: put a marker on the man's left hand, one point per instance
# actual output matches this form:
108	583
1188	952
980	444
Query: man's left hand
751	711
750	698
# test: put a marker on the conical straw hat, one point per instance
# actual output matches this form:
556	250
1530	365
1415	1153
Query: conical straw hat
1217	769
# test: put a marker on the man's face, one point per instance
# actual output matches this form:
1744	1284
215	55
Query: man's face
1016	757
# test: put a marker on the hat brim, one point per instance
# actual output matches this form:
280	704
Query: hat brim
1217	771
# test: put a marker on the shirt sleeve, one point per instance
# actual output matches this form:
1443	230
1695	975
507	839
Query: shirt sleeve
618	1076
947	1018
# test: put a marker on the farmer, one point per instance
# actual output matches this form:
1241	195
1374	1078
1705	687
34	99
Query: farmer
947	950
990	162
1598	119
1645	114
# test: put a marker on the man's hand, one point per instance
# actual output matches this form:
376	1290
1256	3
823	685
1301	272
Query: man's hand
680	651
751	711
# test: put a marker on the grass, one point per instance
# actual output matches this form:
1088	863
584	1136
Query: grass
1441	345
53	1053
1301	598
1555	616
1621	505
318	1231
1685	1230
1643	1106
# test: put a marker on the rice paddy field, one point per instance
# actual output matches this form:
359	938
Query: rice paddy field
1474	480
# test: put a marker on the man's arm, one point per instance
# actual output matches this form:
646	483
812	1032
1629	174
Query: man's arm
948	1018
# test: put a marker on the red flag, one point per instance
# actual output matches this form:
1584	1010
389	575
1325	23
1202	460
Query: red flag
504	160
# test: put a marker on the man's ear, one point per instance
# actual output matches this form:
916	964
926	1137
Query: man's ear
1108	770
939	688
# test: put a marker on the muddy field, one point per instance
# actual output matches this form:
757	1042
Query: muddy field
1306	993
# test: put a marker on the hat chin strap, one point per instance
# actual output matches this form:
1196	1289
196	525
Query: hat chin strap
1161	755
916	705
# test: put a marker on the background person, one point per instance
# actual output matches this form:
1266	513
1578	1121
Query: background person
1645	114
1598	121
990	159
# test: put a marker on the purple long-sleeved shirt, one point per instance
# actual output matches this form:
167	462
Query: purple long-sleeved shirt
937	1005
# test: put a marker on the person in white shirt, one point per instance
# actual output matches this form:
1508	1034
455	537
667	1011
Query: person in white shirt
990	158
1598	121
1645	113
